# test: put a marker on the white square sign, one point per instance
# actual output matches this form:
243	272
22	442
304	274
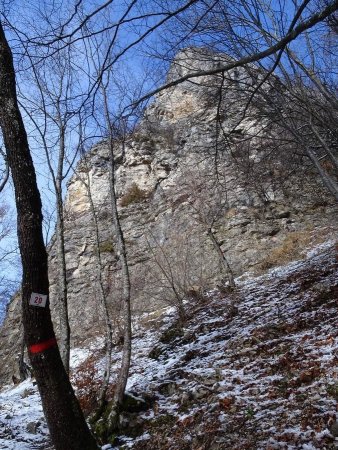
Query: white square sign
38	299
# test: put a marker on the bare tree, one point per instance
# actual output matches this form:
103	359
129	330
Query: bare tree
9	259
84	177
122	252
50	112
207	197
177	270
239	25
302	118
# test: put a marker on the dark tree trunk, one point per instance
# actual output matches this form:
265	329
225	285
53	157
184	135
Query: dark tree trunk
66	423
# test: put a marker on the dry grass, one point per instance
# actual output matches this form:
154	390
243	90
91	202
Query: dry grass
87	385
291	249
133	195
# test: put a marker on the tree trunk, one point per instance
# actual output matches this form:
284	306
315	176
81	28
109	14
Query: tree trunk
126	353
103	299
61	258
223	259
66	423
326	147
126	291
62	286
327	180
21	357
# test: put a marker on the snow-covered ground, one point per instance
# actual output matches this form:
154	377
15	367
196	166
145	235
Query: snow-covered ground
254	369
22	423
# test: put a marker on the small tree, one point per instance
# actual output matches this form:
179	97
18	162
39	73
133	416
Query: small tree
207	196
177	268
51	111
85	179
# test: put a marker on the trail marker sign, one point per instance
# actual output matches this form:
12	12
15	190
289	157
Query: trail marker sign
38	300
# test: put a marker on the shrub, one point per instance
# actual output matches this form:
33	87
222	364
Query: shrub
87	385
133	195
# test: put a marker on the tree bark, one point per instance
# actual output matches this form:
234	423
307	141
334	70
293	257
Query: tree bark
66	423
62	285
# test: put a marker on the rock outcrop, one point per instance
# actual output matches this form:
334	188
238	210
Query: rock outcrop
166	173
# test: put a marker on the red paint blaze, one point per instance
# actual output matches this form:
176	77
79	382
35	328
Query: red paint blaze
42	346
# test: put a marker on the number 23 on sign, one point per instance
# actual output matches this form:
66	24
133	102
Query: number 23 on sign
38	299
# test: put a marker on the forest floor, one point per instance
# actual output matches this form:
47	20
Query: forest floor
256	368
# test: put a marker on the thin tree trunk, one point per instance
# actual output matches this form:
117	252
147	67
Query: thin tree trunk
21	357
332	156
57	179
62	286
66	423
104	302
223	258
331	185
61	257
126	353
121	247
3	182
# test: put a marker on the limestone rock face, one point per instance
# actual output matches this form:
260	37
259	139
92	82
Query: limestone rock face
10	337
168	197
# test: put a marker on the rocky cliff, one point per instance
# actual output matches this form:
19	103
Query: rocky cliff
184	169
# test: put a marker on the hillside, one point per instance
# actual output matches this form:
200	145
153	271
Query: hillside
172	279
252	369
175	177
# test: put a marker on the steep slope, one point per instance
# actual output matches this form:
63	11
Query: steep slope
166	184
253	369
